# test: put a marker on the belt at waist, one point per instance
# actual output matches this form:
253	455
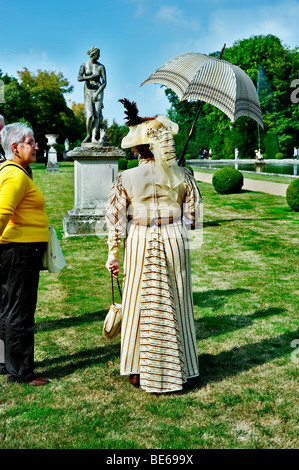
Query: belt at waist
156	221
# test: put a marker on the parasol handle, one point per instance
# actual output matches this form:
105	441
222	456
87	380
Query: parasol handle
182	161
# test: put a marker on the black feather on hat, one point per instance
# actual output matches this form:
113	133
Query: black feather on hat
133	119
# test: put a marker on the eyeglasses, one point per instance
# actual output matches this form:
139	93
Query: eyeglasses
31	142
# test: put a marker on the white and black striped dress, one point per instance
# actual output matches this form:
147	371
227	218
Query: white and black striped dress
158	335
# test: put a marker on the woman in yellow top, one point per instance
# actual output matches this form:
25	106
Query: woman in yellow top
24	232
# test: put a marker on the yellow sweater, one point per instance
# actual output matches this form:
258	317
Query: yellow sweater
23	218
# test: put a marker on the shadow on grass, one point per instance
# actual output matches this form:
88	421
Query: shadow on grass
215	298
215	368
216	325
217	223
48	325
67	364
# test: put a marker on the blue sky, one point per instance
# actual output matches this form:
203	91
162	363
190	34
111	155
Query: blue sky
135	37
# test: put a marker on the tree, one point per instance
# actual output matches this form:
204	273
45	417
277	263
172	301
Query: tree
38	99
272	67
115	134
51	114
17	105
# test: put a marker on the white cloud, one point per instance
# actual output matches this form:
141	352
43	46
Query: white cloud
174	16
231	24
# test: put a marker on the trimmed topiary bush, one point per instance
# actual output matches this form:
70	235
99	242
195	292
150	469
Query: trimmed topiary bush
279	155
132	164
122	164
228	180
292	195
271	145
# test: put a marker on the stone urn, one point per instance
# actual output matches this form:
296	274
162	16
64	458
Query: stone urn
52	139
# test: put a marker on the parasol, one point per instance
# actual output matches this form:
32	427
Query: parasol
196	76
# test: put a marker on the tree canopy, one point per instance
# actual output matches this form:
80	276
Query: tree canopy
38	99
272	67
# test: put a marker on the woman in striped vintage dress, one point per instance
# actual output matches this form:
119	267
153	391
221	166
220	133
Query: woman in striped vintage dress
152	206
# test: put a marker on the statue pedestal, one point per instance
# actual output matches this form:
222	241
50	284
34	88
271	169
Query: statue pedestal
52	165
95	169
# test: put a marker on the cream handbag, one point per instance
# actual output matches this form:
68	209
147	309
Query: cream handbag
112	323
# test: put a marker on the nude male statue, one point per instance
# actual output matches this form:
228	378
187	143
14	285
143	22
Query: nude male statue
94	75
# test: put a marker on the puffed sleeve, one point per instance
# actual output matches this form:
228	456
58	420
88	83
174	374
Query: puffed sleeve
192	204
116	216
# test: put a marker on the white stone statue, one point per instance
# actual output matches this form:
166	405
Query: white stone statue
258	156
94	75
66	144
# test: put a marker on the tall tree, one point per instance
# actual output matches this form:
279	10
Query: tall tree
272	67
38	99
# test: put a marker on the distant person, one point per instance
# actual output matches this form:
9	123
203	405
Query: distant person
236	154
210	153
24	232
205	153
94	75
295	154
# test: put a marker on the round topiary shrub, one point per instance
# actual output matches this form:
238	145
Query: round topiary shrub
122	164
132	164
279	156
227	180
292	195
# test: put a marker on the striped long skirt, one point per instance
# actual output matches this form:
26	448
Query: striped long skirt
158	338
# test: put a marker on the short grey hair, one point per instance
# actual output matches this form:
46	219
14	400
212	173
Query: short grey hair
2	123
13	134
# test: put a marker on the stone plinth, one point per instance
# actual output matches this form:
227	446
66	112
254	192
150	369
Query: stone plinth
52	165
95	169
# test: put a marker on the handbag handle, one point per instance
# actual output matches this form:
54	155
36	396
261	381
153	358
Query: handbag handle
113	289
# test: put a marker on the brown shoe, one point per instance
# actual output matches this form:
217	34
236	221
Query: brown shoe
38	381
134	379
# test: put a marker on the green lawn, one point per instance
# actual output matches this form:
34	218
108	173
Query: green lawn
245	278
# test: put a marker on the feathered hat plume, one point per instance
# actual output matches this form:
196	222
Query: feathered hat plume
133	119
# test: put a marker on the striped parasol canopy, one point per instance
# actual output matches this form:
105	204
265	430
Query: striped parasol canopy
196	76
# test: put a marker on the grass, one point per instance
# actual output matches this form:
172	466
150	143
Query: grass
246	305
